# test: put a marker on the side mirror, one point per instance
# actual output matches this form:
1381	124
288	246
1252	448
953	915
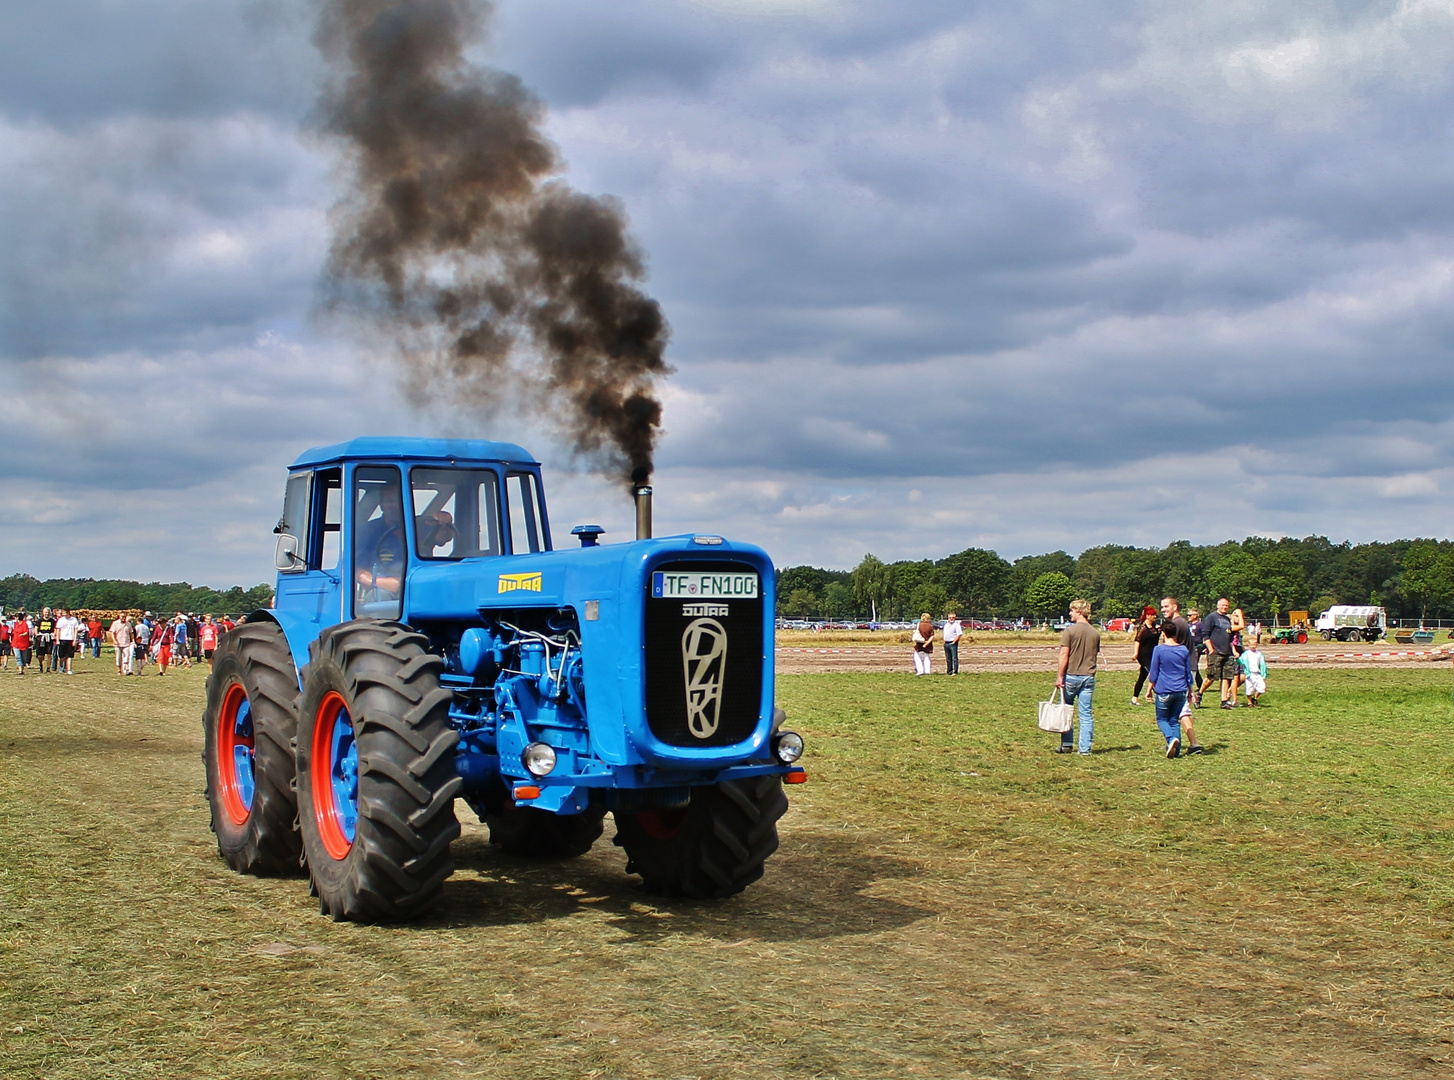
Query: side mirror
286	556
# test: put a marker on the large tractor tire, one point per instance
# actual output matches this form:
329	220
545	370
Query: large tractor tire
528	833
376	778
248	730
714	846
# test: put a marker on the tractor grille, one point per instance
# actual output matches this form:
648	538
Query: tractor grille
717	644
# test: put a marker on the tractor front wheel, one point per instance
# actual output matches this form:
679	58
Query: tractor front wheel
248	729
714	846
376	778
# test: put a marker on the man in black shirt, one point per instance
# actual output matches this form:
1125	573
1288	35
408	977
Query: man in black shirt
1221	664
45	640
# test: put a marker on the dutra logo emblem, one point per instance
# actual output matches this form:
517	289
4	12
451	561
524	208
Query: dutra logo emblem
704	660
517	582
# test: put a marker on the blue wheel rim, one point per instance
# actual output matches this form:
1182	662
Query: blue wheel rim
242	753
343	771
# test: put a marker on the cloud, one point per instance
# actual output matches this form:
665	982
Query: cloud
1112	273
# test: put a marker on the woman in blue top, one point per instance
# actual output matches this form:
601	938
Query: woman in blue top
1170	677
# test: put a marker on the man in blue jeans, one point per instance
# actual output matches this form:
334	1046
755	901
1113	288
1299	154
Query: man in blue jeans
1080	646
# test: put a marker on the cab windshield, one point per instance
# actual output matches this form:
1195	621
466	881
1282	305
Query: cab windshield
456	513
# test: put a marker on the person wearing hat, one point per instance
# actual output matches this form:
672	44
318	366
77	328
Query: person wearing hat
923	644
1147	634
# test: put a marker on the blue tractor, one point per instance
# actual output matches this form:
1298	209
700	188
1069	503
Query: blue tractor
427	644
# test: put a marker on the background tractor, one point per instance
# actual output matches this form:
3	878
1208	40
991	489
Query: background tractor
427	644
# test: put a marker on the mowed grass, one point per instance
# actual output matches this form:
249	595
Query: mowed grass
951	899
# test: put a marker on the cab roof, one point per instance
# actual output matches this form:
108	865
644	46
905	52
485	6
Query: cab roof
385	447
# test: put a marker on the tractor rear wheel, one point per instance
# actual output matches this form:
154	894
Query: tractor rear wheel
376	778
529	833
1302	637
248	729
714	846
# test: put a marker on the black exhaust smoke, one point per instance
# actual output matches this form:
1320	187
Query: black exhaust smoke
499	284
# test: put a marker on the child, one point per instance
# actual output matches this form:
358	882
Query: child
1170	678
1254	670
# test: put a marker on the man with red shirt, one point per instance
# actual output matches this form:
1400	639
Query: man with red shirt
93	629
20	642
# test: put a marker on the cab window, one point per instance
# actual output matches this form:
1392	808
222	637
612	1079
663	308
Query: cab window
328	513
380	555
294	521
456	513
522	495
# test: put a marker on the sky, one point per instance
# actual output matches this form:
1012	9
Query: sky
939	275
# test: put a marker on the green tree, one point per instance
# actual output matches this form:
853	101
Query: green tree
929	597
1426	575
838	601
1049	594
800	604
872	583
977	578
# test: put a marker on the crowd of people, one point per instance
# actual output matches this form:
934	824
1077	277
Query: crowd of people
52	640
1170	650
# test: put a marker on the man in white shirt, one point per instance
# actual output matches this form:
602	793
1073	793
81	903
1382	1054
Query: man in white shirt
121	638
953	631
67	627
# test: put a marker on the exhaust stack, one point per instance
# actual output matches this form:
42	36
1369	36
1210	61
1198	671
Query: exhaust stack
643	512
641	492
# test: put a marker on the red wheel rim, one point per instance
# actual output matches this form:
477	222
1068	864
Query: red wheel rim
236	790
662	824
335	823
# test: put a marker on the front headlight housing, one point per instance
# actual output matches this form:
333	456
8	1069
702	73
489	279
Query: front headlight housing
538	759
787	746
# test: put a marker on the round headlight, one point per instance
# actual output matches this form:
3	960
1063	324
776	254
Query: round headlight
538	758
788	747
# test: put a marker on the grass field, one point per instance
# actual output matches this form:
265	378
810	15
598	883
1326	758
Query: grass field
950	900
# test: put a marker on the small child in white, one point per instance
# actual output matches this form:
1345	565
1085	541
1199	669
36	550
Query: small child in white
1254	670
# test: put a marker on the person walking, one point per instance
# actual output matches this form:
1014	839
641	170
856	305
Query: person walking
923	644
207	637
4	643
163	642
1080	648
68	628
1198	647
1170	677
93	628
141	635
953	631
21	635
121	639
181	651
1221	665
1171	612
45	639
1148	633
1253	666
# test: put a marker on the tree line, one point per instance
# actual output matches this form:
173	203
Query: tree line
24	591
1412	579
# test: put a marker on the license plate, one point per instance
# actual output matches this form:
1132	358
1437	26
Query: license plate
674	585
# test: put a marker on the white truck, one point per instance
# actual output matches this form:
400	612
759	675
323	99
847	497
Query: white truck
1352	622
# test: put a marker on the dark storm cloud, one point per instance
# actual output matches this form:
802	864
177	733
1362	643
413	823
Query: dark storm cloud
938	270
72	62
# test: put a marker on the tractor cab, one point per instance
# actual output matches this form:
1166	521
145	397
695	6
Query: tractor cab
358	516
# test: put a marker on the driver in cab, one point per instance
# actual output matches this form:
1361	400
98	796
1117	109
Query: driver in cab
381	549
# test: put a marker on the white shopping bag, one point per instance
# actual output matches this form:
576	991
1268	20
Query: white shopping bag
1056	715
